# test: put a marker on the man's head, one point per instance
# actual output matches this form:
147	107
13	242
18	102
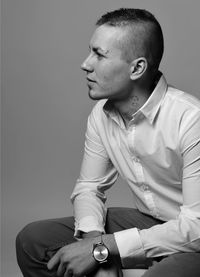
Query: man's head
143	34
125	50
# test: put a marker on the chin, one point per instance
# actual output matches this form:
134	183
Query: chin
96	95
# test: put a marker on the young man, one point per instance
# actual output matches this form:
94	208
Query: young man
149	133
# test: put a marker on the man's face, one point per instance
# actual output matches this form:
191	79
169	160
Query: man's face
108	73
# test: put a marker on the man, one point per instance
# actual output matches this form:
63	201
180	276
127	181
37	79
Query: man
149	133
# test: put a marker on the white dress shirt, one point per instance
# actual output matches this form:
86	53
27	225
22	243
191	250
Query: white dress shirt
158	154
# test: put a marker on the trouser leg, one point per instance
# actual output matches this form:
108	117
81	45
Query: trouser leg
177	265
119	219
39	241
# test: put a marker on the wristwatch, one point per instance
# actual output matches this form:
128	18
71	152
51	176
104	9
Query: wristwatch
100	252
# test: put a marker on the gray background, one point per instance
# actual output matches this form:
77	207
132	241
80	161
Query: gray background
45	103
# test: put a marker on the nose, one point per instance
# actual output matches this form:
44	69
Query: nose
87	65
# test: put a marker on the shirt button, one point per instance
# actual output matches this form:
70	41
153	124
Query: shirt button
144	187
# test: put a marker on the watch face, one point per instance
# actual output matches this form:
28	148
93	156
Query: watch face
100	253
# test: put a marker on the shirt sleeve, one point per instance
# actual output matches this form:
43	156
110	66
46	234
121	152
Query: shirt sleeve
177	235
96	176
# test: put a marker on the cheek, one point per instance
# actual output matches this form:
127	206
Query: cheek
114	76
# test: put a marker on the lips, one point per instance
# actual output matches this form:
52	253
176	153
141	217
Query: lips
91	80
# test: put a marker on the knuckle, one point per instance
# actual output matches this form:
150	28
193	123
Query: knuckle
63	254
77	273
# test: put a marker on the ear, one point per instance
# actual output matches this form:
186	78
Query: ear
138	67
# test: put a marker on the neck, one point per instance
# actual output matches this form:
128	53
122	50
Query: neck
131	105
137	98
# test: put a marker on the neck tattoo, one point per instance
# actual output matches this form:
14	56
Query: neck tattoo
135	101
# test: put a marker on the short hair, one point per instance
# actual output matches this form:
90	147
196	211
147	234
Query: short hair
145	34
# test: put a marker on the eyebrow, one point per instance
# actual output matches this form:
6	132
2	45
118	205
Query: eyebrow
97	49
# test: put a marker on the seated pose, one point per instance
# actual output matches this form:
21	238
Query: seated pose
146	131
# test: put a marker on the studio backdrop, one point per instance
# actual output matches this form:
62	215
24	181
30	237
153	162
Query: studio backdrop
45	100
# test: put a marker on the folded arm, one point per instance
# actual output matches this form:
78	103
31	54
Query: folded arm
96	176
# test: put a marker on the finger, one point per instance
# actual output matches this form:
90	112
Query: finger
53	261
61	269
120	273
68	273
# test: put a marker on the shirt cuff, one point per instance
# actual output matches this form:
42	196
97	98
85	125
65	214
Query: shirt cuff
130	247
87	224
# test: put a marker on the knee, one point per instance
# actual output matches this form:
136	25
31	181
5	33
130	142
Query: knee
28	238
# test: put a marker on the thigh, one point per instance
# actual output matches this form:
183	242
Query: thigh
43	238
177	265
119	219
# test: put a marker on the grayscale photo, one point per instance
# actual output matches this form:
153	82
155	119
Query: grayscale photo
100	138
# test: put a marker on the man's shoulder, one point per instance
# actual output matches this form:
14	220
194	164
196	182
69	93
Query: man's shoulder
183	99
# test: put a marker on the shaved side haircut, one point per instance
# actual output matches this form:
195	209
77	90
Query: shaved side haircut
143	35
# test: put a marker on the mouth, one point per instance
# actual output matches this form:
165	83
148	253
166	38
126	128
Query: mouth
91	80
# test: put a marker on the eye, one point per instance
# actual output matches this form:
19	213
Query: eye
96	53
99	55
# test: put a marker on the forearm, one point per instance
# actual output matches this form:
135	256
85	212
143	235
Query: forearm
178	235
89	212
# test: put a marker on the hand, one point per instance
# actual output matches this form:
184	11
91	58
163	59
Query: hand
74	259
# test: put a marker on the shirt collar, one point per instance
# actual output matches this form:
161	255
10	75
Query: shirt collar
149	109
110	110
152	105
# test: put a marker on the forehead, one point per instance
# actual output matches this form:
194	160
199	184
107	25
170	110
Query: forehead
107	38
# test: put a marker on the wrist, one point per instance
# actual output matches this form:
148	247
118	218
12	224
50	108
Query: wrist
105	250
109	241
100	251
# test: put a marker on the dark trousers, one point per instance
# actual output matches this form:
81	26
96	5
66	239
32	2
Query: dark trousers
40	240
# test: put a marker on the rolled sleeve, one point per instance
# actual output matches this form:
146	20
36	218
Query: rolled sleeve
88	224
